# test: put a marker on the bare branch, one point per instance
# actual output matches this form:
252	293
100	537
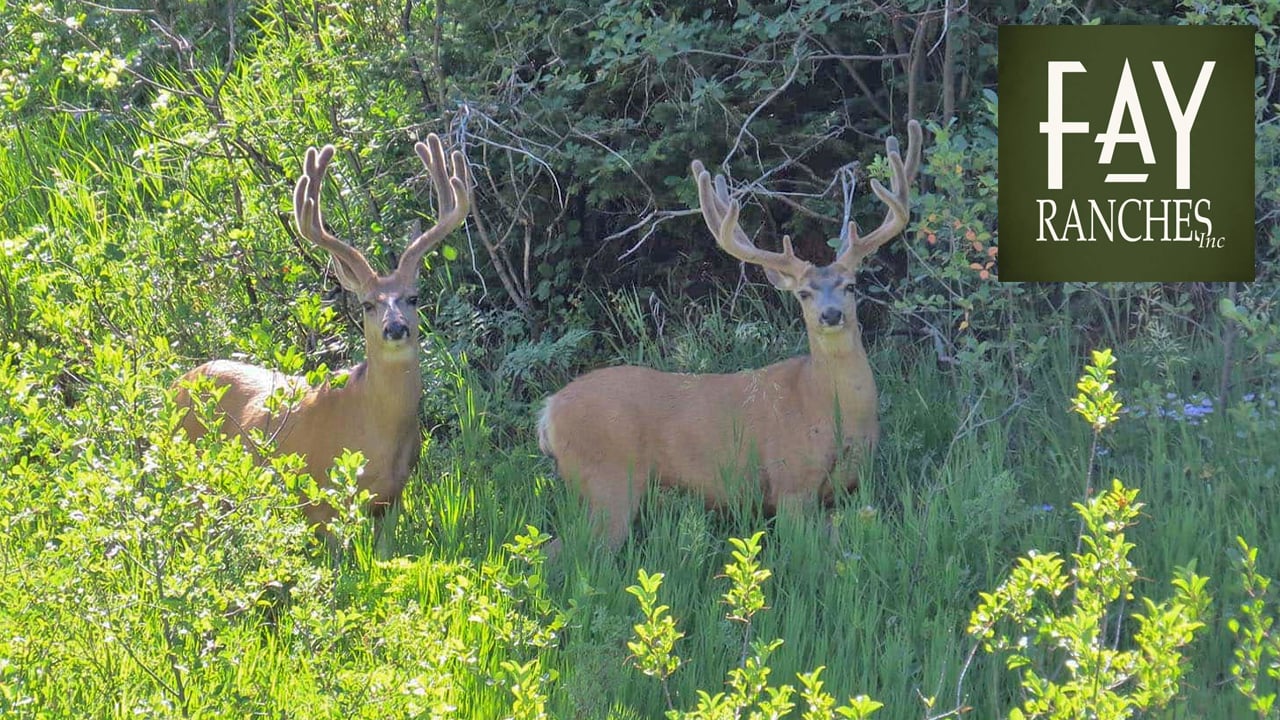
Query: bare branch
652	220
791	76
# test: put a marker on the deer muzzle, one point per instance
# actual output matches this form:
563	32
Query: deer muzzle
832	317
395	330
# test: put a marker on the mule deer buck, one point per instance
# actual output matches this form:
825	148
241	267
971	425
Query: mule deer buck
376	410
792	423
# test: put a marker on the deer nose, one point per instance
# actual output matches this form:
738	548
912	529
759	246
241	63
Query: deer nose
395	331
832	316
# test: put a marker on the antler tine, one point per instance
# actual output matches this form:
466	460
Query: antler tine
721	215
453	195
898	198
353	269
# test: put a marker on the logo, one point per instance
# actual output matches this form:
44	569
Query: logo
1126	154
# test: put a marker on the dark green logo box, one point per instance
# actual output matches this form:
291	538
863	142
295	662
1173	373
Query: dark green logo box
1136	190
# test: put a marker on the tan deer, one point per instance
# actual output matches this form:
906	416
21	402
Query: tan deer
786	426
376	410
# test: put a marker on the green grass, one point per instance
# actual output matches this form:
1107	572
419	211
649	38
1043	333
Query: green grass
140	574
966	478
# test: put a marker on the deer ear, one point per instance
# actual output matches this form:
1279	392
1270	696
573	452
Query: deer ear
782	281
349	279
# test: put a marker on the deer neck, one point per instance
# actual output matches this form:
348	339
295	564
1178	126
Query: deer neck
840	376
392	386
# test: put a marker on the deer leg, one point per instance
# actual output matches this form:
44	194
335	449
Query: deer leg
613	499
794	504
796	510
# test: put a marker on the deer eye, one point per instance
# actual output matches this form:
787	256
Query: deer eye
412	300
804	294
850	288
368	306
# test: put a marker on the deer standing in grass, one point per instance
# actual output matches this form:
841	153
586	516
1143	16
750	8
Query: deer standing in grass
613	429
376	410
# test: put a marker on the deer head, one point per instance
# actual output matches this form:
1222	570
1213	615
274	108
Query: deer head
826	294
389	301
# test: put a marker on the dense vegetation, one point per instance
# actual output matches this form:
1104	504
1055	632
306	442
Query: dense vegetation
146	166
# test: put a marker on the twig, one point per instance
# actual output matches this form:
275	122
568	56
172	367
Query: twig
406	27
791	76
630	168
652	219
